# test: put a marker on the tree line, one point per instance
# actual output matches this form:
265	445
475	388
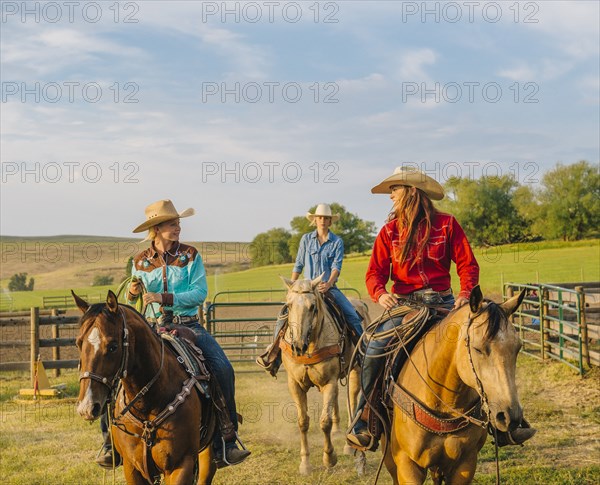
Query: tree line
492	210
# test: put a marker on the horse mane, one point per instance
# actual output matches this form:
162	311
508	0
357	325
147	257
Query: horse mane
97	309
496	320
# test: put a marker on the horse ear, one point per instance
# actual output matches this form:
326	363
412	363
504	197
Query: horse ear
287	282
112	302
510	306
314	283
80	302
475	299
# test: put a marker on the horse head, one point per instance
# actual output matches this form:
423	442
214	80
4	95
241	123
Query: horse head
488	361
305	305
103	352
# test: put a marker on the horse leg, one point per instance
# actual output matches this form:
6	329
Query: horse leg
206	466
407	471
299	397
330	398
335	417
463	472
183	475
132	475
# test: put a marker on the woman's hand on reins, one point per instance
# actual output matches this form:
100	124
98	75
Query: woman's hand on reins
387	301
152	298
460	301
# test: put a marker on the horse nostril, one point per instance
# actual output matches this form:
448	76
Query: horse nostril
501	419
96	408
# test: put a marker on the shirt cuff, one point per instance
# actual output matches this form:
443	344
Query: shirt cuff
167	299
465	294
378	294
131	297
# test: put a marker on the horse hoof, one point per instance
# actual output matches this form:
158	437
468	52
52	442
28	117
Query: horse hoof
305	469
330	460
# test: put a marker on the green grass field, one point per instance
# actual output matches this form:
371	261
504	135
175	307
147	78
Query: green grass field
544	262
48	443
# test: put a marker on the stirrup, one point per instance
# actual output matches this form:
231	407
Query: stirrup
222	462
516	437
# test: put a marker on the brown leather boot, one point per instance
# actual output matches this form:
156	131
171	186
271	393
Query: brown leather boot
105	458
270	361
517	436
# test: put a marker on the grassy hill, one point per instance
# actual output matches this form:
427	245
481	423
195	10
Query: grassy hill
61	264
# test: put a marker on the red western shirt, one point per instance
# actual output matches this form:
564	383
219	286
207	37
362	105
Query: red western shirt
447	242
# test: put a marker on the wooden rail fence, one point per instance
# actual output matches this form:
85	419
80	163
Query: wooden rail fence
36	318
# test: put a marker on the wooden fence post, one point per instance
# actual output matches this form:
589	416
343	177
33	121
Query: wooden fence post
34	339
55	334
583	326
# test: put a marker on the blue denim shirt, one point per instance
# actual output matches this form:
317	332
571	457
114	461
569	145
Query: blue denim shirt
315	258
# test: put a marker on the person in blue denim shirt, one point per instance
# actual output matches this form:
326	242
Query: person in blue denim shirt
175	281
321	252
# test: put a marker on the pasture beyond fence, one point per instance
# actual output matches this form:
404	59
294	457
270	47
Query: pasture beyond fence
242	322
559	322
555	322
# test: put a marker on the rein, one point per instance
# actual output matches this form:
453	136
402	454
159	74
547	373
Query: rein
148	427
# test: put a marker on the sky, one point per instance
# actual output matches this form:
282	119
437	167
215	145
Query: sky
253	112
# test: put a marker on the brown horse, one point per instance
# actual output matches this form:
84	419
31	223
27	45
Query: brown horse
160	433
312	347
460	377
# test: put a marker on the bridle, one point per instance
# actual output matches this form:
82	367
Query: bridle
112	382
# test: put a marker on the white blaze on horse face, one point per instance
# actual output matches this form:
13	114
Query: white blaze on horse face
94	338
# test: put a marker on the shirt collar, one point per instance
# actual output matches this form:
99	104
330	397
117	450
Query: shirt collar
330	236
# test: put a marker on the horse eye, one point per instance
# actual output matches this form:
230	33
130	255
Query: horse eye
112	347
477	350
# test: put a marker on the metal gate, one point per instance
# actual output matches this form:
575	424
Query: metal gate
243	321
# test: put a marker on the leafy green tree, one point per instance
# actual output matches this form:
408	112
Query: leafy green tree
569	202
358	235
485	209
271	247
18	282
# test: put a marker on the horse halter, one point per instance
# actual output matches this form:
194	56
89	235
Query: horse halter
315	312
485	407
121	372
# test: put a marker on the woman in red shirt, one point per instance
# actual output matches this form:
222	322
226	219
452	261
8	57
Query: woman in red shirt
414	249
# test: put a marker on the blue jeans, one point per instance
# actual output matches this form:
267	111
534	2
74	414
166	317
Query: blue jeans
372	366
221	368
352	317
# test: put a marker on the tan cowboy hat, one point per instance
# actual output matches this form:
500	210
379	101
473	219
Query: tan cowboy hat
412	177
322	210
161	211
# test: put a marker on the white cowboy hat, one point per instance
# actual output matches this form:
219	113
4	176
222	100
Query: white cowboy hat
322	210
412	177
161	211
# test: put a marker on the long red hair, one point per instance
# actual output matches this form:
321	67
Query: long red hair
412	210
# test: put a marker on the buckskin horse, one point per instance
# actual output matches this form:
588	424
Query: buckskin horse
459	379
158	429
316	353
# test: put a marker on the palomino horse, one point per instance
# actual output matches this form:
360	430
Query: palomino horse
460	377
314	352
160	431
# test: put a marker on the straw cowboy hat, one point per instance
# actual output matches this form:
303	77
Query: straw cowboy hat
161	211
412	177
322	210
